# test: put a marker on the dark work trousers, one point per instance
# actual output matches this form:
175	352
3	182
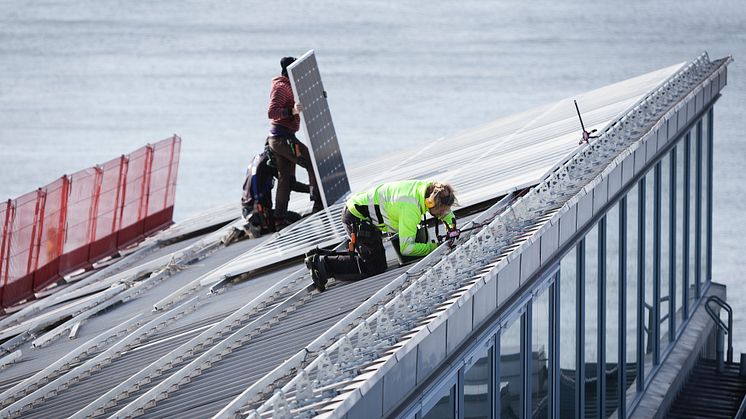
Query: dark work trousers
370	256
285	158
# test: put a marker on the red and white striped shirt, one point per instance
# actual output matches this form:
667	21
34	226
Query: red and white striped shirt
281	104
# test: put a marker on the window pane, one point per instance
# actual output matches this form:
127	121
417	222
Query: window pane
680	283
567	333
511	372
591	321
632	298
612	310
478	388
649	234
444	408
693	222
665	246
705	210
540	351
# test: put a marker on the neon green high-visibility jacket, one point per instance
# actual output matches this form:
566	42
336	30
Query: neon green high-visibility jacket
397	207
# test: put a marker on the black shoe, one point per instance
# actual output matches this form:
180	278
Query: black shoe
316	266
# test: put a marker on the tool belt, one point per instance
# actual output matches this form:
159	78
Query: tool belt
293	145
369	241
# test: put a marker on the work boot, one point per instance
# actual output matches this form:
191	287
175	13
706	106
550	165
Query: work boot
317	268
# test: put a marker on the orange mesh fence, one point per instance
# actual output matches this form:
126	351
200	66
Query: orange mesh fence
79	219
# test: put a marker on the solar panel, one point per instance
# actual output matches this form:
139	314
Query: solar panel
491	161
317	124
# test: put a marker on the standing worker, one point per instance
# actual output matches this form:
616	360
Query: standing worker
287	151
395	207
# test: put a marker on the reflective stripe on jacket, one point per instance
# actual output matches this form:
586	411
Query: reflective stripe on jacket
397	207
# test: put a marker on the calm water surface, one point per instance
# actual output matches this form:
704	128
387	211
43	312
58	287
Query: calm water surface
84	81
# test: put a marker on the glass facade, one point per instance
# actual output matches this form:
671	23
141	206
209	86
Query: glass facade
595	327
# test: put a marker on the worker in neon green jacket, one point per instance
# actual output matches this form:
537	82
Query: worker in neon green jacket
395	207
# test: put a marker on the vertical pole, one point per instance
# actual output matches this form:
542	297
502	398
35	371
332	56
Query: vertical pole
580	328
601	319
655	324
528	357
687	214
554	364
142	210
121	192
93	215
459	396
34	242
710	171
641	286
5	247
622	329
41	204
698	212
496	375
170	171
672	248
62	220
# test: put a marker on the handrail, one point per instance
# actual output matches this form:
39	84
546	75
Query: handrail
727	329
741	409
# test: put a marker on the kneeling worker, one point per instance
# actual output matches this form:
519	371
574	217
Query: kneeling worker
395	207
256	199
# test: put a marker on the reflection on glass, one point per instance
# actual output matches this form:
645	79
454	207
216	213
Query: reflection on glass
540	352
679	273
612	310
631	330
567	333
705	210
665	245
478	388
444	408
693	220
591	320
649	233
511	372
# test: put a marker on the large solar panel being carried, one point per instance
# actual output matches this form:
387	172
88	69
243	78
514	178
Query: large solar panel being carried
319	129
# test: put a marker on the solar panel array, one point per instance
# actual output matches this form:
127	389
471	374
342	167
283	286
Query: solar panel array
317	122
489	161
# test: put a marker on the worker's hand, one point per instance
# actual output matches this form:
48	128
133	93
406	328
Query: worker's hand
453	234
297	108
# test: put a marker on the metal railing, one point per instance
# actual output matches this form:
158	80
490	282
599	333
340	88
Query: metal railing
723	329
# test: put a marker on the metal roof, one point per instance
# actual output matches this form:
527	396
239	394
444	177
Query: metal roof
199	350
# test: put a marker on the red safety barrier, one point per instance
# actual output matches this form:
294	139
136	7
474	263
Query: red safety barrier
111	189
79	219
18	283
51	229
135	193
162	184
6	220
